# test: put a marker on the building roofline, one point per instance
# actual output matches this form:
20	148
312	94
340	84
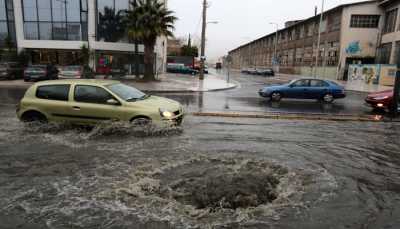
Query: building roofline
309	19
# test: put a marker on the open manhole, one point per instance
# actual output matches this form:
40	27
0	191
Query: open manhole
218	184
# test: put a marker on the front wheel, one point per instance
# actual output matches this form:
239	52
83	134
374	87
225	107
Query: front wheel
328	98
142	121
276	96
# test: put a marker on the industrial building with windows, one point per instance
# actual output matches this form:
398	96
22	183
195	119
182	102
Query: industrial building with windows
366	32
55	30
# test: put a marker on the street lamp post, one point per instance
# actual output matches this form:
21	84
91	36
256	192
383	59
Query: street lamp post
203	47
276	45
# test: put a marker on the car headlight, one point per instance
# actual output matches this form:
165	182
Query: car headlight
165	113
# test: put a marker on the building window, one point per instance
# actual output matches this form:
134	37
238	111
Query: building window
110	25
397	53
384	53
364	21
55	19
7	27
390	21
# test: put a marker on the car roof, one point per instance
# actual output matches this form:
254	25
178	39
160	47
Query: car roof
92	82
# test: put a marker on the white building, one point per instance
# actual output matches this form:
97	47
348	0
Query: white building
55	30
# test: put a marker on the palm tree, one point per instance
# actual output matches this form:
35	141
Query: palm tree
147	20
111	25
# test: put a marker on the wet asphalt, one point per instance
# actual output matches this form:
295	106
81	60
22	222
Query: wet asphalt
330	174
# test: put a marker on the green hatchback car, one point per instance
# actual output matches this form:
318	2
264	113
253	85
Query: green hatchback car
84	101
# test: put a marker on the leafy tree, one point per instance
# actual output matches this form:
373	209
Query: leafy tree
22	58
192	51
84	55
8	43
111	25
147	20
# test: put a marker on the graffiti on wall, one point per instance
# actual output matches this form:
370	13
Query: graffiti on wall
369	74
353	48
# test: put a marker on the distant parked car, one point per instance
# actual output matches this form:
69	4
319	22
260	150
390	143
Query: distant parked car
252	71
324	90
70	72
40	72
245	71
265	72
181	69
382	100
197	68
11	70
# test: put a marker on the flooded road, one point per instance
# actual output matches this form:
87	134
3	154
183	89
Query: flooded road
211	173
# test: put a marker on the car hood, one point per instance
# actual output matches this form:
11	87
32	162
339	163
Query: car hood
158	102
381	94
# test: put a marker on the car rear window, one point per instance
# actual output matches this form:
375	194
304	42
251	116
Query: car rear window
53	92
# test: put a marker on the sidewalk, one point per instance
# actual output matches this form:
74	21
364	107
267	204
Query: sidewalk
168	83
183	83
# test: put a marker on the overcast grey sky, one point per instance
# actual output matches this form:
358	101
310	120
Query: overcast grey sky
240	21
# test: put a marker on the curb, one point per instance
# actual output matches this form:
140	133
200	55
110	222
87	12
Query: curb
294	116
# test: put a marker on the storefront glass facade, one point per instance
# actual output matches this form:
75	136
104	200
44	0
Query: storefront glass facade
58	57
55	19
7	25
107	60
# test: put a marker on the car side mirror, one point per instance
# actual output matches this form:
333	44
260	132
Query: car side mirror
113	102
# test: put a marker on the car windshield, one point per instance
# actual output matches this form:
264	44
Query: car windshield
126	92
71	68
36	68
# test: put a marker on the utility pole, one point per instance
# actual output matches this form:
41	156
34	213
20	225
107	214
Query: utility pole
203	41
275	58
319	38
396	91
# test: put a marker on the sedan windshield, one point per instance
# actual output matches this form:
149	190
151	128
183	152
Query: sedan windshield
126	92
71	68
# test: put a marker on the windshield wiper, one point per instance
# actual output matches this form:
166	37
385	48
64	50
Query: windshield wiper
132	99
145	97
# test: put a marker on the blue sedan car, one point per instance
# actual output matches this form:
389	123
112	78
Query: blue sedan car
324	90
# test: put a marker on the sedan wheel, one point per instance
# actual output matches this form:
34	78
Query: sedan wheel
328	98
141	122
276	96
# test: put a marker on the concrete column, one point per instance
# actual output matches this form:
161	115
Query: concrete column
19	24
92	31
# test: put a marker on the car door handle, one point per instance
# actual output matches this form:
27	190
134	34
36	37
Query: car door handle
76	108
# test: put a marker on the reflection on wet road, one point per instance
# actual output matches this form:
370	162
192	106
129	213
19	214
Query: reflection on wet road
314	175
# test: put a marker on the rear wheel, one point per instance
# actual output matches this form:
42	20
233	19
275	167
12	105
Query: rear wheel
33	116
328	98
276	96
